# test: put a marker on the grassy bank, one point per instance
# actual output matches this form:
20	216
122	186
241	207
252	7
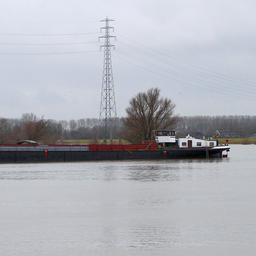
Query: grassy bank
238	140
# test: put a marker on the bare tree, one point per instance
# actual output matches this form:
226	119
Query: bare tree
148	112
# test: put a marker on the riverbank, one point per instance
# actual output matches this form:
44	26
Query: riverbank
244	141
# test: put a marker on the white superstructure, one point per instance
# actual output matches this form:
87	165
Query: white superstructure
167	138
191	142
162	137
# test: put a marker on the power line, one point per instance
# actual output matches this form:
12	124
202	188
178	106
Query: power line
202	70
46	44
46	35
45	53
209	79
183	82
180	78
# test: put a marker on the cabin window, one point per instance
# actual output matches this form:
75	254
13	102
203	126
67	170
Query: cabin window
165	133
199	144
211	144
184	144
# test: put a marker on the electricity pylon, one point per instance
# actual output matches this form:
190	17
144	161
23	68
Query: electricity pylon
108	104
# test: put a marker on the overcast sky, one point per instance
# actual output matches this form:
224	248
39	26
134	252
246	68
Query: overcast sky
200	53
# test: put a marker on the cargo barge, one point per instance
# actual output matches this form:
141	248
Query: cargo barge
165	146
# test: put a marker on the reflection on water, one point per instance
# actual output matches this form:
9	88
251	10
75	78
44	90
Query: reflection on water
152	173
171	207
139	171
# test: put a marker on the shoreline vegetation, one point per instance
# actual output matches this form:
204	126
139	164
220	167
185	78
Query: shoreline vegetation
235	129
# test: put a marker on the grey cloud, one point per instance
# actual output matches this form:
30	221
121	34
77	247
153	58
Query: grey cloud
198	52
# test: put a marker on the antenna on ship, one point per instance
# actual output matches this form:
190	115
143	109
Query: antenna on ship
107	104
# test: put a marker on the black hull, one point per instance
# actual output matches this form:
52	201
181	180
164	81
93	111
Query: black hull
76	156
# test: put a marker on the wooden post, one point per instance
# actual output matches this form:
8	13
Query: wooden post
207	153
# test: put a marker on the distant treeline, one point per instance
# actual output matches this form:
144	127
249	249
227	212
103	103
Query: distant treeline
31	127
222	126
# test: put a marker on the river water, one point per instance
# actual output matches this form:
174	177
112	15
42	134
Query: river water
171	207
